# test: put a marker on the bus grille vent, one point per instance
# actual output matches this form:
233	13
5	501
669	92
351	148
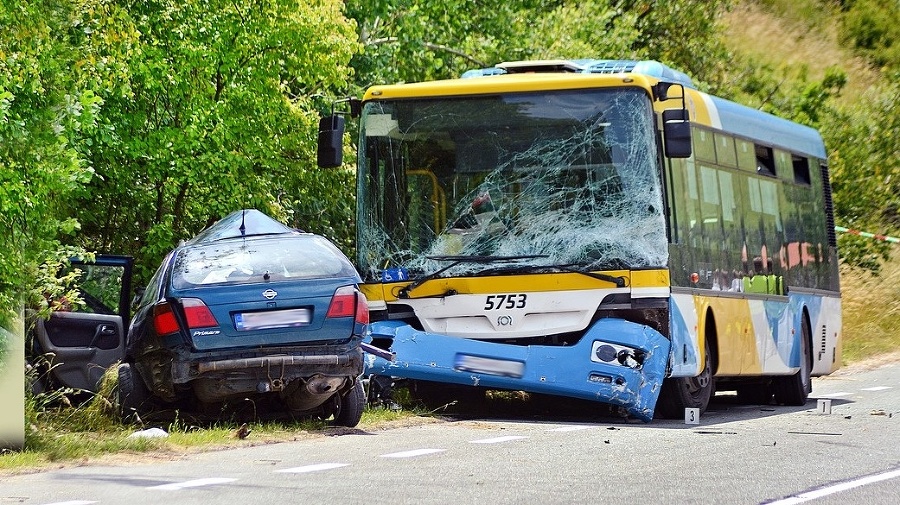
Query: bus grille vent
829	206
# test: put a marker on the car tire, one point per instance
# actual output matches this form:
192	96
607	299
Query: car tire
133	396
351	406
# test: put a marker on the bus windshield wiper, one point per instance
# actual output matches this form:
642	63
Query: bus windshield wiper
618	281
456	260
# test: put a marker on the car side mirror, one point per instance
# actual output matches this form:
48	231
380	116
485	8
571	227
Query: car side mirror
331	135
677	133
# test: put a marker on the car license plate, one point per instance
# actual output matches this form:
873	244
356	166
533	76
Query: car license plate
490	366
244	321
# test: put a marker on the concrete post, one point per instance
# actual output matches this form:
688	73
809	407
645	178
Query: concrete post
12	385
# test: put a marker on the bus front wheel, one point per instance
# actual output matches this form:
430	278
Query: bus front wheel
679	393
795	389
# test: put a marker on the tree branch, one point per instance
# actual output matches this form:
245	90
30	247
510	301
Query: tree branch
430	45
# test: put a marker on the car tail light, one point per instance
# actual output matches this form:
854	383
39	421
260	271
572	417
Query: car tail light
196	313
347	302
164	319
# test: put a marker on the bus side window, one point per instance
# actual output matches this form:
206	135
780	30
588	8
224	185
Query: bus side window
765	161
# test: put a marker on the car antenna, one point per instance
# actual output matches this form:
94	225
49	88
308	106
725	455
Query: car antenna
243	228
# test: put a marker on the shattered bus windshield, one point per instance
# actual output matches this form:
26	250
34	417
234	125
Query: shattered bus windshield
553	178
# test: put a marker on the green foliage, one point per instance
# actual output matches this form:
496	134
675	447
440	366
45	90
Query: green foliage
860	130
684	34
411	40
408	40
872	27
50	68
865	170
218	116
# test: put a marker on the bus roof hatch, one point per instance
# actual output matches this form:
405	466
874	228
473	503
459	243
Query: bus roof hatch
587	66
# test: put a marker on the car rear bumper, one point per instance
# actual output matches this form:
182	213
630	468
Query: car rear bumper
333	360
340	360
219	375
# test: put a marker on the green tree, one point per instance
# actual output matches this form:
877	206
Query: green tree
53	61
864	142
220	115
872	27
413	40
684	34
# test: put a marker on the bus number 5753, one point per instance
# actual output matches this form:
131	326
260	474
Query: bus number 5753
511	301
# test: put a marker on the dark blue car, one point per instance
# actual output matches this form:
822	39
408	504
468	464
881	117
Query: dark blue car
249	309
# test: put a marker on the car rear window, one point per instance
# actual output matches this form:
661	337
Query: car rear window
259	260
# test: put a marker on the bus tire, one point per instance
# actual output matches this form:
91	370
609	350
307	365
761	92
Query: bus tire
679	393
795	389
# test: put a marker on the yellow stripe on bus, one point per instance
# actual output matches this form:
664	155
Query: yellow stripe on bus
512	83
516	283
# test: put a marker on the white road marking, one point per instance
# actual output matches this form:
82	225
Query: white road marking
313	468
412	454
572	428
193	483
496	440
73	502
835	395
877	388
837	488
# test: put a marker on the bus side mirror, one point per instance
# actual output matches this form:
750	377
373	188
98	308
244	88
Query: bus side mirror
677	133
330	153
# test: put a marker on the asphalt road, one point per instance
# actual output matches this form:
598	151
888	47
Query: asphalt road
736	454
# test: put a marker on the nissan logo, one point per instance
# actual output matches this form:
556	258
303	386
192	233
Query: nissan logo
269	294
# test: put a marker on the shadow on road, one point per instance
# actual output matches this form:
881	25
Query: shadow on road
468	403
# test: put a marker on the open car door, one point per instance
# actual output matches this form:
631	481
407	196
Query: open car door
82	343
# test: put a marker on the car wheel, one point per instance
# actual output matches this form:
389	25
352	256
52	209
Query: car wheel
133	395
679	393
795	389
351	406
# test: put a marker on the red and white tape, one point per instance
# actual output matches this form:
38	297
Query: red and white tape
884	238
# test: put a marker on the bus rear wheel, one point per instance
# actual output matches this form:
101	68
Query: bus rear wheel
679	393
795	389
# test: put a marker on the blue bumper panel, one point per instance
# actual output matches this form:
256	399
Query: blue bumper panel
615	362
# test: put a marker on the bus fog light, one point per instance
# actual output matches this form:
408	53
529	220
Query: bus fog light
606	353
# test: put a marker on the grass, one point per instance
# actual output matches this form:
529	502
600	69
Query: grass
60	431
870	312
51	444
798	37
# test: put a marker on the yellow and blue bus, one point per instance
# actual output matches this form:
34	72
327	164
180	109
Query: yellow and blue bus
596	229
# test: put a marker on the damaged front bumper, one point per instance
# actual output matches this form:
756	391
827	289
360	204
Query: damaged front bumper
616	362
